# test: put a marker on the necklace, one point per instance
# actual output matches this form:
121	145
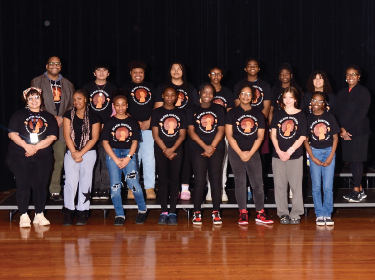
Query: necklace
99	86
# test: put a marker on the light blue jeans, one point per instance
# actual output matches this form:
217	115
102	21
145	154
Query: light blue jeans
131	178
325	208
146	155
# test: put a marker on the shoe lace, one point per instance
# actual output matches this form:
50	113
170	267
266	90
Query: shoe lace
216	215
197	215
243	217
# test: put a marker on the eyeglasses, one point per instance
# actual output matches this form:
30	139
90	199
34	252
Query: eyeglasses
36	97
352	74
245	93
216	74
54	63
320	102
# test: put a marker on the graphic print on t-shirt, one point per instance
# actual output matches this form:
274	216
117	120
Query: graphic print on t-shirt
287	127
121	132
247	125
99	100
170	124
258	92
141	95
207	121
220	100
320	130
182	98
56	91
36	124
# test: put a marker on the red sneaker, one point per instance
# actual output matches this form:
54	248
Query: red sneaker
216	218
243	217
197	218
263	218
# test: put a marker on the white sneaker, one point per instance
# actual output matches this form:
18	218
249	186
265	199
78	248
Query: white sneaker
41	220
224	197
25	220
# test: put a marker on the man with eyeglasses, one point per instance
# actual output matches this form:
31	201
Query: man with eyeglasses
57	93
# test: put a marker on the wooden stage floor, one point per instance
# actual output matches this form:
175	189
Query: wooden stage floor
100	250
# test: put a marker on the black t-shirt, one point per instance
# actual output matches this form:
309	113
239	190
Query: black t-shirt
206	122
77	126
56	92
276	95
321	130
331	103
224	97
101	99
289	128
262	92
141	100
25	122
245	126
187	96
120	133
169	123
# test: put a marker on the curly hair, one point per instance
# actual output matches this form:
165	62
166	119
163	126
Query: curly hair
137	64
355	67
327	89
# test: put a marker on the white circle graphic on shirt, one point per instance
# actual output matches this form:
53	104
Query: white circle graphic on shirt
36	124
287	128
247	125
99	100
141	95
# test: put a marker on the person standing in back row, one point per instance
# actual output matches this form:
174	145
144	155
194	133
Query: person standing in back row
57	94
141	103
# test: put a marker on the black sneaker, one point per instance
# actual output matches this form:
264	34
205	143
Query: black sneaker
141	217
172	219
329	221
56	197
163	219
95	194
68	217
119	221
363	194
82	217
294	221
104	194
356	197
284	220
349	195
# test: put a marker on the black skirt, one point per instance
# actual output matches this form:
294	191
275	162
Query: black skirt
355	150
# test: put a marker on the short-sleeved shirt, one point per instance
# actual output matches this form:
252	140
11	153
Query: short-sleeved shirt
120	132
187	95
262	92
245	126
289	128
206	122
24	122
331	103
101	97
169	123
77	126
321	130
141	100
224	97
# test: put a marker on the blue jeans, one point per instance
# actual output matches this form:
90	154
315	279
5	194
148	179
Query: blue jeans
145	153
131	178
317	172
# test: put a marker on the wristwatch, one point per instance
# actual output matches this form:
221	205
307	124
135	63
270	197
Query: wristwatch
129	156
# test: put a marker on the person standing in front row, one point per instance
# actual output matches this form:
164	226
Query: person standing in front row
57	94
81	132
100	100
186	96
141	103
288	131
169	131
206	128
244	129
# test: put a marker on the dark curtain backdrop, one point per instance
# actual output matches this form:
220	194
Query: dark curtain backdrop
310	35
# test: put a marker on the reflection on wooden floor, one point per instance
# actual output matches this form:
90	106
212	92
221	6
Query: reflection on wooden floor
100	250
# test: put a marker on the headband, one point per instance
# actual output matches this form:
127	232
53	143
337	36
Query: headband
27	90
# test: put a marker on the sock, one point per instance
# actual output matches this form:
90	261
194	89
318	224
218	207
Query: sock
184	187
164	213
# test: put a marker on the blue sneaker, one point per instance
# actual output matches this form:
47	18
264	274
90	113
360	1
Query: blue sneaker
163	219
172	219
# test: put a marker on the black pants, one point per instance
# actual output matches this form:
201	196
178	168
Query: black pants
214	166
32	173
168	175
186	162
253	169
357	170
101	175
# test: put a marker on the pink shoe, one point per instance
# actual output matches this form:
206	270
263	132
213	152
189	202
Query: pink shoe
185	195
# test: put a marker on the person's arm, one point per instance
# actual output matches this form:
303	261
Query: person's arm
208	149
157	139
282	155
95	128
158	104
233	143
296	145
46	142
145	124
257	142
332	154
68	140
29	148
218	136
266	108
270	115
111	154
308	149
236	102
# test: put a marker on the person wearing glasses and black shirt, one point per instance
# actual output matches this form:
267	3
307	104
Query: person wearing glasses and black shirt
57	94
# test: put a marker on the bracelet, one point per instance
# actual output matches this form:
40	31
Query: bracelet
290	151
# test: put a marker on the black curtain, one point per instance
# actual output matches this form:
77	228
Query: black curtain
310	35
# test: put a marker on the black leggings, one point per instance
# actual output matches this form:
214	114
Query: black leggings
186	163
214	166
31	173
168	174
357	170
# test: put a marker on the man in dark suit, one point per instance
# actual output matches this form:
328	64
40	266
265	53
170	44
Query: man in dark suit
57	94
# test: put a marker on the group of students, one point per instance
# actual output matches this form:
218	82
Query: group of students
174	128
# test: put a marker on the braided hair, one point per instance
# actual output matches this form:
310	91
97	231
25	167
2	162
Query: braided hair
86	123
